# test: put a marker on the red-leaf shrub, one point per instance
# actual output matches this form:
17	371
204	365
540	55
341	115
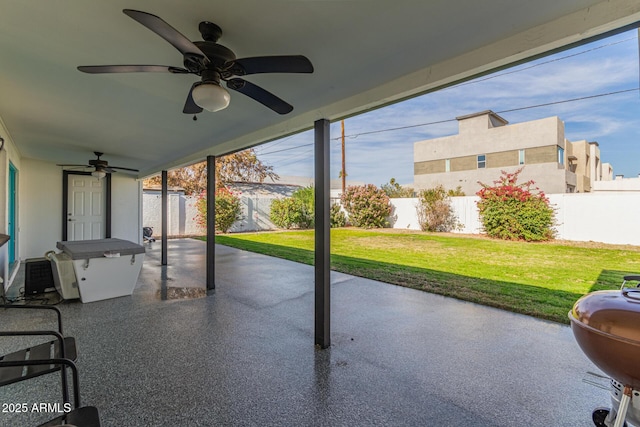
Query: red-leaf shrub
513	211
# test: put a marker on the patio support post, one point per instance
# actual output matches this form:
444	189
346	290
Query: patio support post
322	241
165	200
211	222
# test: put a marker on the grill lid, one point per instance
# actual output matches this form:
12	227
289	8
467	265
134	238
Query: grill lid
615	313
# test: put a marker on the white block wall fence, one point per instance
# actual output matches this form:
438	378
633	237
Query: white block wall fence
182	214
605	217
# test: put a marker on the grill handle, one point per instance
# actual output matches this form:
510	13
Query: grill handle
631	293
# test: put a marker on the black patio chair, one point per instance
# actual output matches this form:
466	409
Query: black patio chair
51	356
60	347
79	416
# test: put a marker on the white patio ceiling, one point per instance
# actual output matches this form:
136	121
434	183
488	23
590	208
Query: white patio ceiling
366	53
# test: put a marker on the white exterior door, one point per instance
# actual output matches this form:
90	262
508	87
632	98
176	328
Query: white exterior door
86	213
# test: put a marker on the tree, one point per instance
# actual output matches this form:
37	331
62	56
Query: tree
394	190
241	166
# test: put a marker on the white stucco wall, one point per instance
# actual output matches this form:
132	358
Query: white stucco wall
607	217
618	184
255	214
182	213
40	215
40	208
403	214
126	207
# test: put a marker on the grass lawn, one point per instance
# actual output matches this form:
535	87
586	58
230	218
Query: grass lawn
538	279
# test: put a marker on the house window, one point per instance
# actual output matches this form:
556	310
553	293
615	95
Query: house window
447	165
521	157
561	155
482	161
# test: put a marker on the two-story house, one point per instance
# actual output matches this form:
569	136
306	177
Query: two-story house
487	144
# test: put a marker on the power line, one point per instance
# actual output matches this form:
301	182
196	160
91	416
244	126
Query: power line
499	112
300	153
296	158
356	135
572	100
479	81
493	76
275	143
287	149
288	159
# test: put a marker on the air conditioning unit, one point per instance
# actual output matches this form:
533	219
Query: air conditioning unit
38	276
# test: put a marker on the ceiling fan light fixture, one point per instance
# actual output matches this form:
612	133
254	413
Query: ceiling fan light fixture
99	173
211	96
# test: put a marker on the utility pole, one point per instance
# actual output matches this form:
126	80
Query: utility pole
344	172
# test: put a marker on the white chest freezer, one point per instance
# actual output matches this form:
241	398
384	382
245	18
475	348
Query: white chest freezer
64	277
104	268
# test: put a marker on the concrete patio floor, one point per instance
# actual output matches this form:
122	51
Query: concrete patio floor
244	354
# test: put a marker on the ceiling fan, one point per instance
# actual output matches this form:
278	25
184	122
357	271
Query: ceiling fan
214	63
101	167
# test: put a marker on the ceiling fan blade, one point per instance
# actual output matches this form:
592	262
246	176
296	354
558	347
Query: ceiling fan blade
100	69
271	64
121	168
167	32
76	166
262	96
190	106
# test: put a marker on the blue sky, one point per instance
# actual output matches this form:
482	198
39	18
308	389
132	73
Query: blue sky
602	67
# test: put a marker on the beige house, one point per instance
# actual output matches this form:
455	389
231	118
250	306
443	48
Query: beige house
487	144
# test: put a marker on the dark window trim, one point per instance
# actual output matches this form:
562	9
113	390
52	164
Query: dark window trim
65	205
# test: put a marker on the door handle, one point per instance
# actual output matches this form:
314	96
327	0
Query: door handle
71	219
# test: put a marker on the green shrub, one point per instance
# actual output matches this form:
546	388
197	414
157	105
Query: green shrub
367	206
512	211
395	191
295	211
338	218
283	211
434	210
306	198
228	209
456	193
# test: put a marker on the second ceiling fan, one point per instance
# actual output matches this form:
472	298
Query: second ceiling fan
214	63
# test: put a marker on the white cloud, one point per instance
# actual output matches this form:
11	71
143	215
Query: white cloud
613	120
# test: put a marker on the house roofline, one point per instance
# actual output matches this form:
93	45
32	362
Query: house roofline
483	113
